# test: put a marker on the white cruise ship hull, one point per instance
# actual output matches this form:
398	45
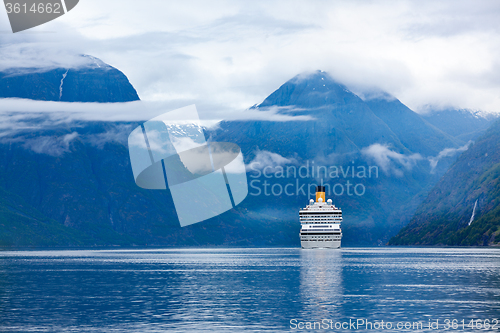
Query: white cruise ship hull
320	223
320	244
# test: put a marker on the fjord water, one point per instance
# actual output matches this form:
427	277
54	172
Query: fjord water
244	290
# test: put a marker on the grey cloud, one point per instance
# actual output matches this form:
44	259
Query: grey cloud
117	134
226	56
389	161
447	152
51	145
447	19
266	159
18	110
37	49
392	162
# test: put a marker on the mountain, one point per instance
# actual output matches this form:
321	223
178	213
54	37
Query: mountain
462	124
344	131
339	116
415	133
74	187
21	224
464	206
92	81
71	183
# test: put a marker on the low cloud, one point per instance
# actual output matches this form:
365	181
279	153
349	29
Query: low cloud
30	132
17	108
36	51
117	134
447	152
392	162
51	145
273	113
389	161
266	159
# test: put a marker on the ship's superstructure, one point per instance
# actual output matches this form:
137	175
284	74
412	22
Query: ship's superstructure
320	221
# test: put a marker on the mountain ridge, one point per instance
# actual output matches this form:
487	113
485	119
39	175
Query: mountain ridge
91	81
463	124
73	177
342	129
464	206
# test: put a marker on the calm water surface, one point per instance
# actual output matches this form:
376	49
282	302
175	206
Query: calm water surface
245	290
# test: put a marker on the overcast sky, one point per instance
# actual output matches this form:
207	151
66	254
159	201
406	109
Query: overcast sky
225	56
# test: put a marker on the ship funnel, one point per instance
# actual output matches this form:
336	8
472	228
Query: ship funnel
320	193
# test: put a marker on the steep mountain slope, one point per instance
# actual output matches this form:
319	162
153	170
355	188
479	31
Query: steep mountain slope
21	225
344	131
464	206
462	124
71	184
77	175
79	181
335	110
415	133
348	123
93	81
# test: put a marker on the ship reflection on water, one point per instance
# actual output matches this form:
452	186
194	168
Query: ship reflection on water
321	283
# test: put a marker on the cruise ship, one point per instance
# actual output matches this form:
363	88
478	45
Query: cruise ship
320	222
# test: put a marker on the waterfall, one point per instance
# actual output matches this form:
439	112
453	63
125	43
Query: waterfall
473	213
62	81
